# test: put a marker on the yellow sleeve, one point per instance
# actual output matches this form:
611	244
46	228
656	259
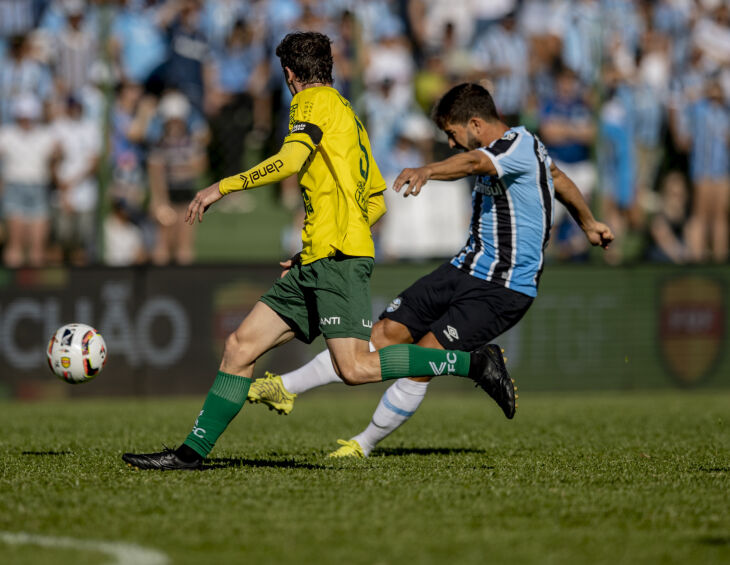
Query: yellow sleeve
289	160
378	182
376	207
308	117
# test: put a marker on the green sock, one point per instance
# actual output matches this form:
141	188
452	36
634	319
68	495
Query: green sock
397	361
225	399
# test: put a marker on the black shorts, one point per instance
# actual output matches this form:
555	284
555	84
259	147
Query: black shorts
462	311
181	195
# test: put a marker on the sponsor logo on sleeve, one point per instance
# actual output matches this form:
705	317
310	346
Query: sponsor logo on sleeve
394	305
258	174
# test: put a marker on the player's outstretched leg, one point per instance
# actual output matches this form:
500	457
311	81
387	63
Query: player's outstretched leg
488	371
278	392
396	406
225	399
261	330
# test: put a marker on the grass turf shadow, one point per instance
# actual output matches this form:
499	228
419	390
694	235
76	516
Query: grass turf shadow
235	462
395	451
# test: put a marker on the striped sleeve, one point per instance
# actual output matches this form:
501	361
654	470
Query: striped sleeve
503	154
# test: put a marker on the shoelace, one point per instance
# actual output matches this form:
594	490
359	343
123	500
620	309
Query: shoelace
270	390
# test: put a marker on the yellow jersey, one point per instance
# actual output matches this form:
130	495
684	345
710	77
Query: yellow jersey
338	178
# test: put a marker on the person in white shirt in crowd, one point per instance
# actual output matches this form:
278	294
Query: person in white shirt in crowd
443	217
29	152
123	239
78	195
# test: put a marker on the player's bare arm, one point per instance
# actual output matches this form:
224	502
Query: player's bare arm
455	167
568	194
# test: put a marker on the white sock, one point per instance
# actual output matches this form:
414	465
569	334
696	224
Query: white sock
398	403
318	372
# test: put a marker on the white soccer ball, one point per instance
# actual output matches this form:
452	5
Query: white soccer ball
76	353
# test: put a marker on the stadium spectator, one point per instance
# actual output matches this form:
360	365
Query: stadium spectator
442	217
77	194
17	17
175	164
219	17
349	55
711	34
137	43
131	116
430	19
74	50
29	152
390	58
617	160
709	142
236	98
580	38
674	19
501	55
21	75
433	77
124	243
668	227
568	130
187	62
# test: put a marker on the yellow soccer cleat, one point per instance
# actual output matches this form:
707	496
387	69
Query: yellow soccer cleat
348	448
270	391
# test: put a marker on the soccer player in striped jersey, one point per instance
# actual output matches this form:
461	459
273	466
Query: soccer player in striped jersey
489	284
327	291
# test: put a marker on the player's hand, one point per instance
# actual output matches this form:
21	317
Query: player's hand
599	234
289	263
200	203
414	178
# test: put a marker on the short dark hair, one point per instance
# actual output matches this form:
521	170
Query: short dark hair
463	102
308	54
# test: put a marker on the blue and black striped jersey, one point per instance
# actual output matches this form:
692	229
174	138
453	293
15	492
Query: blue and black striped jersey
512	214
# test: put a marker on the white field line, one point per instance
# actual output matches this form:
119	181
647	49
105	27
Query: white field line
123	553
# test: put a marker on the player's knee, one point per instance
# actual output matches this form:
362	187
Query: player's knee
387	332
377	336
234	351
231	344
350	375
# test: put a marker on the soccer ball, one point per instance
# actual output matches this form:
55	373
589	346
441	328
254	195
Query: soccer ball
76	353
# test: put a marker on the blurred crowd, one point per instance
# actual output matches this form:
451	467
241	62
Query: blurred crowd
114	112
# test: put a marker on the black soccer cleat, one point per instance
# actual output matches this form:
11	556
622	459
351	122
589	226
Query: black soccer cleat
165	460
489	372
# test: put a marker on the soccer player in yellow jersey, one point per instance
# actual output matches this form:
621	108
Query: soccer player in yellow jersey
327	289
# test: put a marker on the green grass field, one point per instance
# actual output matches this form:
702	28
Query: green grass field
595	479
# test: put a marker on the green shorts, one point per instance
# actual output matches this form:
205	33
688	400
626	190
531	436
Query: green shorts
330	296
